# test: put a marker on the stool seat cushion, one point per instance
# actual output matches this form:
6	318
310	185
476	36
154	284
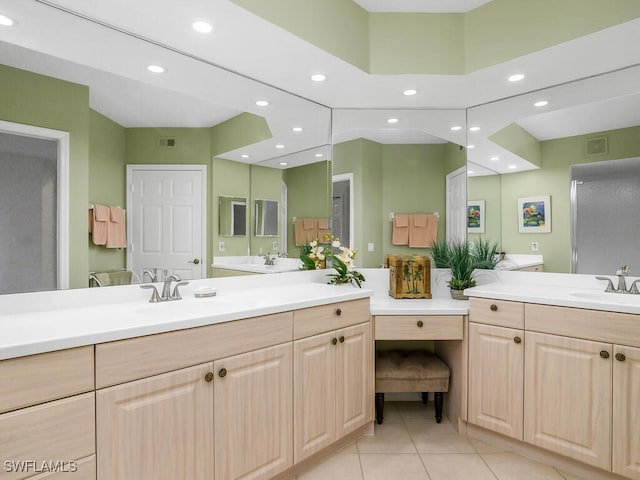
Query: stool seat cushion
410	371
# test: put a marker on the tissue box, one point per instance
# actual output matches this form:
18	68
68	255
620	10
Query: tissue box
409	276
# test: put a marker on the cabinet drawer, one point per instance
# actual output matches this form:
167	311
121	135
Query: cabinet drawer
324	318
496	312
134	358
60	431
34	379
85	469
418	327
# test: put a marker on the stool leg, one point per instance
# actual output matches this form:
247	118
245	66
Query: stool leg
439	398
379	407
425	397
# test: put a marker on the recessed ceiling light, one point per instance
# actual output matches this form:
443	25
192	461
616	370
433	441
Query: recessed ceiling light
6	21
297	129
512	167
470	172
474	129
318	77
494	159
262	103
244	155
516	78
318	155
409	92
202	27
541	103
279	146
456	128
283	163
471	146
392	120
156	69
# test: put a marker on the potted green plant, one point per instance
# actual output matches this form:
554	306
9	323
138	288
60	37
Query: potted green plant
462	266
485	254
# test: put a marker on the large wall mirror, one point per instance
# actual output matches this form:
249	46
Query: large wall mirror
527	147
118	113
397	162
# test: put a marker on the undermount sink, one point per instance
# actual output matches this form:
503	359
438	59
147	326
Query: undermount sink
608	297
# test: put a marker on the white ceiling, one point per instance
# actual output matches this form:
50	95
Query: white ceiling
424	6
194	92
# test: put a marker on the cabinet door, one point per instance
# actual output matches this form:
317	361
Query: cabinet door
314	393
253	414
496	371
568	397
158	428
626	414
353	378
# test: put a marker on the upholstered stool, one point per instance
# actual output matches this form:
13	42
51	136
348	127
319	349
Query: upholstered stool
410	371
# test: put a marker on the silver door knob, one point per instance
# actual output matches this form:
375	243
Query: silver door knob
195	261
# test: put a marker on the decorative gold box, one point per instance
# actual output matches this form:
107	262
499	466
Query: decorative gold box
410	276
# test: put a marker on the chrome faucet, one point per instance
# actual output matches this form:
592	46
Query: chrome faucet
622	282
268	259
167	294
151	274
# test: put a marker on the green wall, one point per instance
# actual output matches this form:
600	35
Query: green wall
517	140
553	179
308	190
107	160
436	43
393	179
487	188
33	99
243	129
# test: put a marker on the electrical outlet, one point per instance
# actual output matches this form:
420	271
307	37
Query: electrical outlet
370	247
274	246
534	246
221	246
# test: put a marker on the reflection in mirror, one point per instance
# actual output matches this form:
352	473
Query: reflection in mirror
527	145
266	218
232	216
412	166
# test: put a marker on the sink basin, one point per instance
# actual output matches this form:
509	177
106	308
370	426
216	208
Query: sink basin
187	307
604	297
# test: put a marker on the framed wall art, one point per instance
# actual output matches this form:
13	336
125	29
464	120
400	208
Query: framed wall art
534	214
475	216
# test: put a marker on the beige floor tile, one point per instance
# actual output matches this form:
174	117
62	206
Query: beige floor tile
401	466
438	438
417	412
510	466
388	438
456	466
351	448
391	413
341	466
483	447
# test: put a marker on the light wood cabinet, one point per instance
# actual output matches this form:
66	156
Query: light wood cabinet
496	379
253	414
626	414
158	428
332	387
568	397
59	431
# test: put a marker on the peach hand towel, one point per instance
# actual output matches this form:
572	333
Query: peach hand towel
323	228
423	230
99	227
116	228
400	235
306	230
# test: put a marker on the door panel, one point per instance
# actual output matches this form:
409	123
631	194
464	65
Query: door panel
166	220
626	414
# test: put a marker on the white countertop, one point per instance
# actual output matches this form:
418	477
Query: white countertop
37	332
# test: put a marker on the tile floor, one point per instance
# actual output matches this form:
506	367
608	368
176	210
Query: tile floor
409	445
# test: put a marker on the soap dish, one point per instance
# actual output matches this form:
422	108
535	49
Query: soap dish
204	292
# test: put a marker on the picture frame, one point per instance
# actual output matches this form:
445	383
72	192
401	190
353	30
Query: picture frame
475	216
534	214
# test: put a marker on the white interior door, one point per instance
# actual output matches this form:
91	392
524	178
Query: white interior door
166	220
457	205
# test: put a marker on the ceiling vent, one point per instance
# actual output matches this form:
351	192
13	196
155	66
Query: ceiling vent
596	146
166	142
